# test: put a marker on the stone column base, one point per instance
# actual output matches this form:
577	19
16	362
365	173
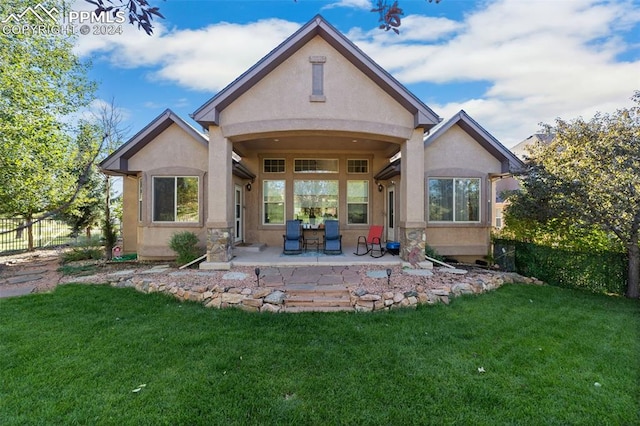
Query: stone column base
412	240
219	245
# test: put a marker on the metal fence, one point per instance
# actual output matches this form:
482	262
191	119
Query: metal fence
46	233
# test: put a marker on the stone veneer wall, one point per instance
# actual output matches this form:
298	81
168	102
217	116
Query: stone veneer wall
219	244
265	299
410	238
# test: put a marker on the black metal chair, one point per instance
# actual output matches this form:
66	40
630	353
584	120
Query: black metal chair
332	238
292	239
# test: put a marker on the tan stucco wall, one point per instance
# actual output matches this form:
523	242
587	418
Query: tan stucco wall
154	241
130	214
271	234
172	153
456	154
171	148
281	101
457	150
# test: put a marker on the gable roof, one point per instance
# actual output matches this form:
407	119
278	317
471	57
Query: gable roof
521	149
117	161
209	113
508	159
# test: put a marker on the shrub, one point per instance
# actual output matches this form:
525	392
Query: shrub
90	249
185	245
432	253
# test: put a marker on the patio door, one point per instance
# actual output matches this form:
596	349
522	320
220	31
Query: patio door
391	213
237	211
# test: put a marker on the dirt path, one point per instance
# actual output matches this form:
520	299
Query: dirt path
27	273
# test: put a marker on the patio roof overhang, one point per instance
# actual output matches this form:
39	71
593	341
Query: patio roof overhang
315	142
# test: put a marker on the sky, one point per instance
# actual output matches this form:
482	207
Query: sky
510	64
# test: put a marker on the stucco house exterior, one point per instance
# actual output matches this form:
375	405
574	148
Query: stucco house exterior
309	132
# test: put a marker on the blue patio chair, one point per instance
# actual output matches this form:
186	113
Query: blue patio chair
332	238
293	240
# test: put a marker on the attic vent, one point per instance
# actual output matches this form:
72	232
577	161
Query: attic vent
317	78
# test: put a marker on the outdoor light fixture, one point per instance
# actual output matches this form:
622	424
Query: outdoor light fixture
380	187
248	185
257	271
388	276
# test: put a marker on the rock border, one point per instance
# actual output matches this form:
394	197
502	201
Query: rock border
265	299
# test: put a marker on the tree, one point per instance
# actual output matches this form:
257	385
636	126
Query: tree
142	13
41	81
138	11
87	208
589	176
390	15
110	120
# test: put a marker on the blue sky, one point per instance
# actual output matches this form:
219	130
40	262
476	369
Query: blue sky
510	64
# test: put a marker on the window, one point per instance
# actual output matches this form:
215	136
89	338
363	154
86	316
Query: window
315	165
175	199
454	200
315	201
139	199
357	166
273	165
273	196
357	201
317	78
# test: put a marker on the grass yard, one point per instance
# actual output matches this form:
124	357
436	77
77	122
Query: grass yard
100	355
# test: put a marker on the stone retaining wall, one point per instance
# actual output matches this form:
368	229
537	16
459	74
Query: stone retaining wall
266	299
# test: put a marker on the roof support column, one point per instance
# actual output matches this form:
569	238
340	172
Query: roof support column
219	202
412	196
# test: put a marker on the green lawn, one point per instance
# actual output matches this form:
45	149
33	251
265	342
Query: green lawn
550	356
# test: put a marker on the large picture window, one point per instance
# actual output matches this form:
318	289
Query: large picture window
358	201
175	199
315	201
273	197
454	200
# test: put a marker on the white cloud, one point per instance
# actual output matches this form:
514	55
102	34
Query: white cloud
355	4
204	59
539	59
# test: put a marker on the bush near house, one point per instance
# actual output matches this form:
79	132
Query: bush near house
185	244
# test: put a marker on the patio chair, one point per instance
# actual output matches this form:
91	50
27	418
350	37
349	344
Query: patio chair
372	243
332	239
293	240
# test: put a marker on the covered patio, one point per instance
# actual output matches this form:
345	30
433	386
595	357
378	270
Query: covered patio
260	255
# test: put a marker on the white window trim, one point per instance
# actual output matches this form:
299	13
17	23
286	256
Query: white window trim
367	203
317	171
454	221
358	173
175	195
283	159
140	199
284	202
